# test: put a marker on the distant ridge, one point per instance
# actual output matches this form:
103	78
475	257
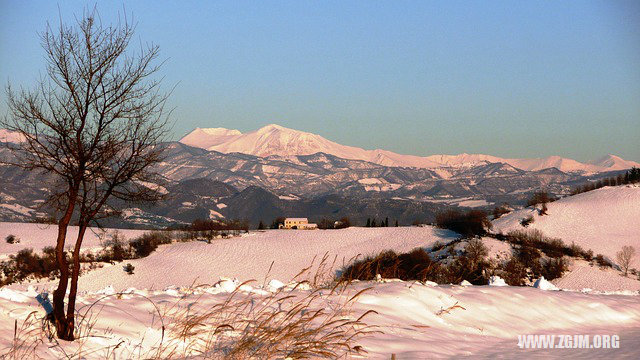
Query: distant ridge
277	140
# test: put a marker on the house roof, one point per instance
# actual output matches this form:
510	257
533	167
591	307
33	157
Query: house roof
295	219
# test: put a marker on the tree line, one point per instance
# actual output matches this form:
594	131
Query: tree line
632	176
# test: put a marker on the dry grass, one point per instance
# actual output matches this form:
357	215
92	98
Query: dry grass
296	322
308	319
288	323
26	339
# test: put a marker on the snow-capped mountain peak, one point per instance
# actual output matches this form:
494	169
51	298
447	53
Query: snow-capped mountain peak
7	136
219	131
613	162
277	140
207	137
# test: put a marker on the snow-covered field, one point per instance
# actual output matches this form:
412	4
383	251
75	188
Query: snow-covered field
250	257
38	236
417	321
602	220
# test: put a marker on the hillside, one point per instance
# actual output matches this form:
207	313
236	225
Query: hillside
603	220
433	318
251	256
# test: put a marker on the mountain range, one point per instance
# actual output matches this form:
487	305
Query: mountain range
275	140
274	171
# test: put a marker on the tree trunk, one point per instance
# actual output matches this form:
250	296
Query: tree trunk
73	289
60	320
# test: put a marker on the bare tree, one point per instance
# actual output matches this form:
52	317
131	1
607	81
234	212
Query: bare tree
94	122
624	258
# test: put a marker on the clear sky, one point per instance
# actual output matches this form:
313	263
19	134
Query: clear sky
506	78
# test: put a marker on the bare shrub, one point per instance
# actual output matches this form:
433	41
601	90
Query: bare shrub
437	246
114	249
554	268
473	222
540	197
12	239
525	222
472	265
624	258
145	244
414	265
498	211
513	272
552	247
602	261
476	251
543	210
129	268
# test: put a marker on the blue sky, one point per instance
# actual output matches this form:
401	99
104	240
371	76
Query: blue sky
506	78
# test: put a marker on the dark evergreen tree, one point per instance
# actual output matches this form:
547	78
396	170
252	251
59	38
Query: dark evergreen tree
261	225
368	222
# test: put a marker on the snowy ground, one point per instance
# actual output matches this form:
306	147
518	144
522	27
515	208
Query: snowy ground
602	220
486	323
582	275
250	257
37	236
411	316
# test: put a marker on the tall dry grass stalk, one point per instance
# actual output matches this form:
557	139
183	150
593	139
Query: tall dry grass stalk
26	339
310	318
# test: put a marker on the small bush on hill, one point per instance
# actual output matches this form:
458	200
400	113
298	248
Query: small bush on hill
529	257
275	224
473	222
129	268
540	197
415	265
11	239
437	246
27	263
554	268
525	222
114	249
513	272
471	265
602	261
343	223
498	211
148	242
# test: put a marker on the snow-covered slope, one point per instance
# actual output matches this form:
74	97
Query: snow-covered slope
603	220
38	236
280	141
613	162
250	257
206	138
560	163
413	320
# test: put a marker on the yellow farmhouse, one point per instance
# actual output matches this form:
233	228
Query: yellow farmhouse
298	223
